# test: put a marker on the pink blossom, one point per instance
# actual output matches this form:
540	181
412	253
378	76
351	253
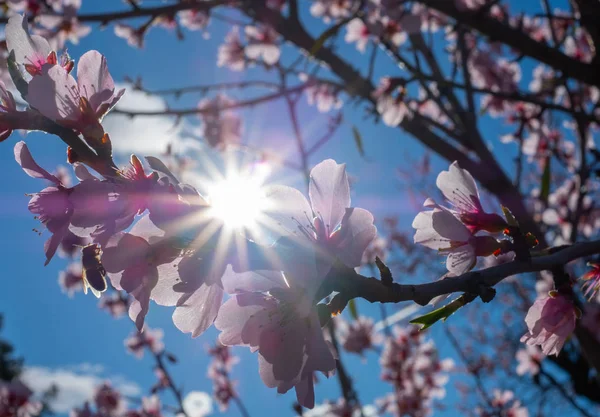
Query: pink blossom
592	280
390	102
15	400
440	229
231	54
262	44
64	26
132	264
331	9
328	220
31	51
51	205
324	95
218	372
357	32
529	360
134	37
412	365
71	279
7	105
80	104
149	338
194	19
378	248
285	330
114	303
358	335
459	188
504	404
108	401
550	321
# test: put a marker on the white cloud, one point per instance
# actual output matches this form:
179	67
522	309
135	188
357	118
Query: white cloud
197	404
76	384
143	135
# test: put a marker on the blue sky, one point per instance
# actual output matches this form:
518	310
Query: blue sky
54	332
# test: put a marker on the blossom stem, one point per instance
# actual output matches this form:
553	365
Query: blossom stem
241	406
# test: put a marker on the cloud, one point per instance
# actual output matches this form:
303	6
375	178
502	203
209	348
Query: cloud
76	384
142	135
197	404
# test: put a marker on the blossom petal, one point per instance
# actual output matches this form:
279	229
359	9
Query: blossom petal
31	168
199	310
329	192
55	94
359	231
458	186
29	49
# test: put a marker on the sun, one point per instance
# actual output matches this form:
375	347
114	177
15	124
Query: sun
237	200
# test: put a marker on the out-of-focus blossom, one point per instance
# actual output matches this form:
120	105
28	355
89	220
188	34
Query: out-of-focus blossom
16	401
529	360
323	95
218	372
262	44
412	365
503	404
378	248
550	321
194	19
108	401
114	303
331	9
390	102
357	32
64	25
138	341
231	53
71	279
358	335
220	127
133	36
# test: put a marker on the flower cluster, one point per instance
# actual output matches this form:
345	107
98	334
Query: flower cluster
454	231
108	402
218	371
411	364
15	400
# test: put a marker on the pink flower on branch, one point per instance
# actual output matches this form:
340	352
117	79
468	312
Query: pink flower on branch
328	225
550	321
81	104
283	327
231	54
262	44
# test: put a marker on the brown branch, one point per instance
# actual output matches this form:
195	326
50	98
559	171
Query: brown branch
351	285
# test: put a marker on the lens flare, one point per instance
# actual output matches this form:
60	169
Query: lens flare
238	201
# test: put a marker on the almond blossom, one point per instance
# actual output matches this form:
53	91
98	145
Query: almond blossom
550	321
15	400
440	229
592	280
358	335
358	32
7	105
71	279
390	102
132	264
339	231
133	36
231	54
504	404
138	341
194	19
459	188
80	104
529	360
262	44
283	327
31	51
